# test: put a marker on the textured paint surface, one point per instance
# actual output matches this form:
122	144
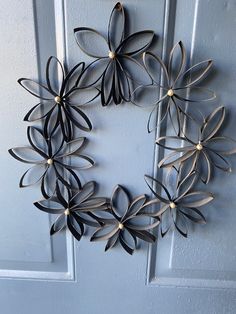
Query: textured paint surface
197	275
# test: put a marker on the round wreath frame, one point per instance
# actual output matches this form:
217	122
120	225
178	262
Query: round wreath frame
56	153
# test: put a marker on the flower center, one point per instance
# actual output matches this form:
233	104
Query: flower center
120	226
111	55
170	92
67	212
199	146
172	205
50	161
57	99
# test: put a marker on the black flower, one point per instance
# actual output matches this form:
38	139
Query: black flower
128	221
176	81
206	149
74	208
115	65
56	97
51	160
181	206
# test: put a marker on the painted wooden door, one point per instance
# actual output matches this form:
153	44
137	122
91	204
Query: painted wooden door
46	275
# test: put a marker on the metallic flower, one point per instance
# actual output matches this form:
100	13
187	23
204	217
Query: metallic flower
181	206
115	65
51	160
74	208
175	83
56	96
127	222
206	149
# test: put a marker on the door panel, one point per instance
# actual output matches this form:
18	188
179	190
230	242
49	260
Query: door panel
40	274
26	248
208	257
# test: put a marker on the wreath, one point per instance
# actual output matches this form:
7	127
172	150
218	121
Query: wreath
57	159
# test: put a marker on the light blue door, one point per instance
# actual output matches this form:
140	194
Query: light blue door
46	275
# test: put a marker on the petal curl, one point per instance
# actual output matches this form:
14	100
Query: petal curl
58	225
152	182
136	43
193	78
54	70
212	123
116	26
35	89
120	201
174	74
91	42
196	199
